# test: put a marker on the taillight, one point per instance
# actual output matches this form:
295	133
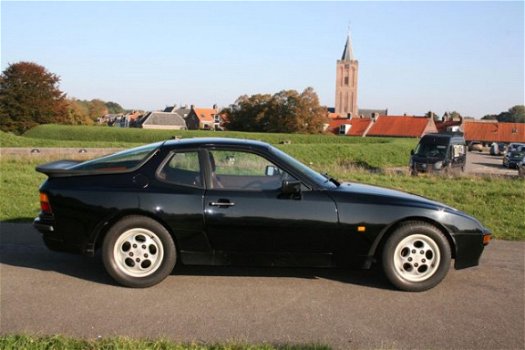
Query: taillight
44	203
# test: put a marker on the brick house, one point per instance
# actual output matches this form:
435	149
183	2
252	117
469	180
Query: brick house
204	119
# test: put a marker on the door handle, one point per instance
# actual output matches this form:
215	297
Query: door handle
222	204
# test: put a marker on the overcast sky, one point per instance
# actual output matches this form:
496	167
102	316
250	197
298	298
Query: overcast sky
413	56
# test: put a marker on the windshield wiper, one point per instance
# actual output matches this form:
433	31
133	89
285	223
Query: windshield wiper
331	179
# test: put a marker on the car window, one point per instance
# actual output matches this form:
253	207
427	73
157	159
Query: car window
238	170
181	168
120	161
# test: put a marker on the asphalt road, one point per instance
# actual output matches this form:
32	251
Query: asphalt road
484	163
43	292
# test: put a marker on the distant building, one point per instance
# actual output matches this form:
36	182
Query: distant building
163	120
401	126
383	126
205	119
492	131
346	88
346	82
349	127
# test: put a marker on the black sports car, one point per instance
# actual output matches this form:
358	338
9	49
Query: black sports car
225	201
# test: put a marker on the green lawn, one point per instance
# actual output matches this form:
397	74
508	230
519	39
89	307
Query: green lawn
321	150
16	342
132	135
497	202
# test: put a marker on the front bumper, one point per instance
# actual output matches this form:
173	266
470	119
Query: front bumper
469	248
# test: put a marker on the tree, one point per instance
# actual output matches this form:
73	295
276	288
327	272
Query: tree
97	108
114	108
248	113
29	95
286	111
78	113
515	114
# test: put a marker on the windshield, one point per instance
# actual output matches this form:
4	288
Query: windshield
517	154
120	161
430	150
311	174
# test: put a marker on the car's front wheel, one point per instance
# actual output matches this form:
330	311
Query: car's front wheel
416	257
138	252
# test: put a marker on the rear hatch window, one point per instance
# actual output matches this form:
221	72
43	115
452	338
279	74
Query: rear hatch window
120	161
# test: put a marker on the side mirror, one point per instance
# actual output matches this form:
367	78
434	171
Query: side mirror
271	171
291	187
411	152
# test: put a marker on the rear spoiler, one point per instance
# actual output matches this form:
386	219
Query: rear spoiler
58	168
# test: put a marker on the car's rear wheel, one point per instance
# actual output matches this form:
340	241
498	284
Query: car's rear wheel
416	257
138	252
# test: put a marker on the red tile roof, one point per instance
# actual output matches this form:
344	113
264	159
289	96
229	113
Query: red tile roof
402	126
205	114
494	131
358	125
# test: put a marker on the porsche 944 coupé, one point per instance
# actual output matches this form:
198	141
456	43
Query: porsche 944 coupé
216	201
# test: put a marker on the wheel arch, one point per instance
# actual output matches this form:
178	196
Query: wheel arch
377	245
98	236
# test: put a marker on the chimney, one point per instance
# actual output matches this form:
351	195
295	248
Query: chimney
375	115
215	106
192	106
349	116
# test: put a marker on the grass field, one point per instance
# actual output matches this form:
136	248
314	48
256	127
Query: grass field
369	153
16	342
497	202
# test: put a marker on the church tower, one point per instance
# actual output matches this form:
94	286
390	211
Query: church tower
346	82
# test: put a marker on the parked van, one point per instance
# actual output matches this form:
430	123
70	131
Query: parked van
443	152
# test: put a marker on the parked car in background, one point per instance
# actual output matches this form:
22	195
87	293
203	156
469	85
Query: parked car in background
212	201
475	146
442	152
514	146
511	159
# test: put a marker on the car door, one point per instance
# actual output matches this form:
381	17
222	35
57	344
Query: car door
176	197
458	155
246	211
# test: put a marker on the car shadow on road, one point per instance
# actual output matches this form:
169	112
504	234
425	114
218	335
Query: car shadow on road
373	278
490	165
40	258
92	269
20	246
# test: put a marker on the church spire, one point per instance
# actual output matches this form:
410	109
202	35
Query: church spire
348	54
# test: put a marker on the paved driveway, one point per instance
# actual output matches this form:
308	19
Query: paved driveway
52	293
484	163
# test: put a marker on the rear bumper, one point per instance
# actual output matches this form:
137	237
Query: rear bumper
43	226
53	239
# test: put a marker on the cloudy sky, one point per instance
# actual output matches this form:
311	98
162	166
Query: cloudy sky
413	56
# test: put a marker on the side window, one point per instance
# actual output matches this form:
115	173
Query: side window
182	169
245	171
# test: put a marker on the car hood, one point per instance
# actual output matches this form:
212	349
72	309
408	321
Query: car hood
379	194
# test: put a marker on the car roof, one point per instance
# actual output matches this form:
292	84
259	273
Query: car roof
215	141
453	137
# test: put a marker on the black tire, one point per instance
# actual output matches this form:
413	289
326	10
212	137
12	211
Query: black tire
416	257
138	252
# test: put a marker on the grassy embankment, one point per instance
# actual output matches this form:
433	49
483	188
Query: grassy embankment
496	202
15	342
